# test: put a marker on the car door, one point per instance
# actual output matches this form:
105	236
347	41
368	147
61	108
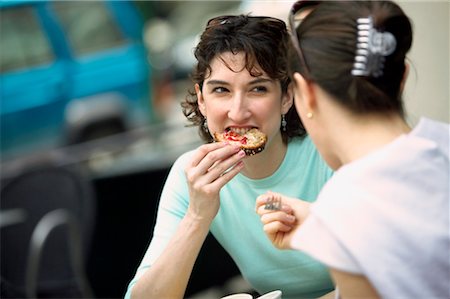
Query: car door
107	55
32	81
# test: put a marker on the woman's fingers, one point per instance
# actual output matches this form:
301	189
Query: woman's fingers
212	167
278	216
211	161
276	227
280	224
269	197
205	149
226	176
222	167
209	157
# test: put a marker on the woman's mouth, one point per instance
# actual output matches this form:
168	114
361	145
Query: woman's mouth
239	130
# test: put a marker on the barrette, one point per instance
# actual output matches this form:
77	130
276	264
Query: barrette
372	47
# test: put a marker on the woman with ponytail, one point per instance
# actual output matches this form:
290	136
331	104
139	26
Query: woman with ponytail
381	223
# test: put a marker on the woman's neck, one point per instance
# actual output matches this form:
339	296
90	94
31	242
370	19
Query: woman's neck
264	164
358	136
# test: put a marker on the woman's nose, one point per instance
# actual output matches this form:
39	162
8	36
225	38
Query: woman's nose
238	110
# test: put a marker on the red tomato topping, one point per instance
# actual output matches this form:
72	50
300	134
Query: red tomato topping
233	136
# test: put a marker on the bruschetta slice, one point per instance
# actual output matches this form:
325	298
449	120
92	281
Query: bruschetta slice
251	142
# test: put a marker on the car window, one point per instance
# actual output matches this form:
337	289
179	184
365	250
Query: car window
23	41
89	26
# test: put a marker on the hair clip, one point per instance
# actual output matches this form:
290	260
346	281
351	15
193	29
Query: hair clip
371	49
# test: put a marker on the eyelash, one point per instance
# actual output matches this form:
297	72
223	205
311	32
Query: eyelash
219	89
258	89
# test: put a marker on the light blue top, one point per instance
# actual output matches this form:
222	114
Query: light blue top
238	228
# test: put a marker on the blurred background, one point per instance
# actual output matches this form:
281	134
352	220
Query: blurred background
93	88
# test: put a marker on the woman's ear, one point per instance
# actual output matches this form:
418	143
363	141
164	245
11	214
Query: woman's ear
288	99
200	100
304	93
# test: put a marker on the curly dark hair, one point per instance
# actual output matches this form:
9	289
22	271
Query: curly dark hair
264	42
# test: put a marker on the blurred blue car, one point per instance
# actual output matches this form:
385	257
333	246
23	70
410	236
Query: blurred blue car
70	71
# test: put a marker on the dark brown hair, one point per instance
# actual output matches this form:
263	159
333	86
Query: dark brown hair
264	42
328	39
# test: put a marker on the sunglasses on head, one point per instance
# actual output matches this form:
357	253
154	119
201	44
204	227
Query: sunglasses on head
295	19
229	19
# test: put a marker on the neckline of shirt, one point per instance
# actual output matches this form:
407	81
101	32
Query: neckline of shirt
415	132
279	174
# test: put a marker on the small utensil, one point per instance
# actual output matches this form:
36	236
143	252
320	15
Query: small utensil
273	203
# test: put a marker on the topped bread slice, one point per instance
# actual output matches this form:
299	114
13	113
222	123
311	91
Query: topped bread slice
252	142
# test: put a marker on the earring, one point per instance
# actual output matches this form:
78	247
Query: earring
205	125
283	122
309	115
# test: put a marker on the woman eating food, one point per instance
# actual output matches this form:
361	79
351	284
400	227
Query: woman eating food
242	103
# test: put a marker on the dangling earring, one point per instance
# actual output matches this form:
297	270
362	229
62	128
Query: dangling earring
205	125
283	122
309	115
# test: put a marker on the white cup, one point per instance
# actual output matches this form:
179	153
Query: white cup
238	296
271	295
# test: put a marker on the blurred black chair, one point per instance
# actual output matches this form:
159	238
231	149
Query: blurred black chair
47	223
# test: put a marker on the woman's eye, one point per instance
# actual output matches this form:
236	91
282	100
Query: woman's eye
219	90
259	89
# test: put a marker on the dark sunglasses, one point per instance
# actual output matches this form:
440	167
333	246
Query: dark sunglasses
294	22
229	19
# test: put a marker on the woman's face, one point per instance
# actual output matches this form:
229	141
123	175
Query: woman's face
232	99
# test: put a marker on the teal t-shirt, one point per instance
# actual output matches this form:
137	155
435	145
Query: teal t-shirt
238	228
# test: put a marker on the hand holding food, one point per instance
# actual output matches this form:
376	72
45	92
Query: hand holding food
212	166
281	223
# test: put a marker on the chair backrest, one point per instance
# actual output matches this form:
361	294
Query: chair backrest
36	194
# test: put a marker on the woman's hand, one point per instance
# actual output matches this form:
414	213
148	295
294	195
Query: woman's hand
280	225
212	166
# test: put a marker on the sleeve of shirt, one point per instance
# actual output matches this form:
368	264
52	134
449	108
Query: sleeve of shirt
173	204
335	227
326	248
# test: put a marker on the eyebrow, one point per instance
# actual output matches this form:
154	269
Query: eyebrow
256	81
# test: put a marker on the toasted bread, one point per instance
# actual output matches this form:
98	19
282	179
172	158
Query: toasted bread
252	142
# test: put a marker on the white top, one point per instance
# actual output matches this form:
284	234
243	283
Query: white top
386	216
